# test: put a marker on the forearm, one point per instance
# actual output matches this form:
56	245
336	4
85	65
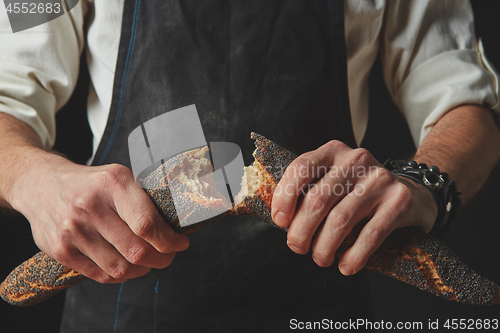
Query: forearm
465	143
20	150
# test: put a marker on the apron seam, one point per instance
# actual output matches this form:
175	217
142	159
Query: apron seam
344	118
128	62
118	306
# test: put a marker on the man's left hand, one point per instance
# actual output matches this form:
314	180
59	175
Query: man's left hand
324	193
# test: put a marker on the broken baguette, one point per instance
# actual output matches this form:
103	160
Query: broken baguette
408	254
185	179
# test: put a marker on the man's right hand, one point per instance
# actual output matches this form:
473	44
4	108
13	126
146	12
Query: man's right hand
95	220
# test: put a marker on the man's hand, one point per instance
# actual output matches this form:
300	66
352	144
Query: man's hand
96	220
343	186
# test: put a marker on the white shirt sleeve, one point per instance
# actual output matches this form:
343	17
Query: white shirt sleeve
432	61
39	69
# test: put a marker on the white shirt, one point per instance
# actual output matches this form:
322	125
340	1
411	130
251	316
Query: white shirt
431	59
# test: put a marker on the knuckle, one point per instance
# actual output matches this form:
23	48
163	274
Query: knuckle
362	157
374	235
341	218
299	167
81	202
316	202
104	278
118	169
380	178
114	174
404	197
60	250
72	226
69	226
335	145
119	272
144	226
383	175
104	176
137	255
123	273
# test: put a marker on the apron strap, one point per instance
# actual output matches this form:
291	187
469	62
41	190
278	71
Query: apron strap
339	59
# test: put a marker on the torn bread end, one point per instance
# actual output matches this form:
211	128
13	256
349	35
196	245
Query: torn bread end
193	172
254	177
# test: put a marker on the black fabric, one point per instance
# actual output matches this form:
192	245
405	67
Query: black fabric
277	68
247	65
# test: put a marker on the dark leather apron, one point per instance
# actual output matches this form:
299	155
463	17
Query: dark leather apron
274	67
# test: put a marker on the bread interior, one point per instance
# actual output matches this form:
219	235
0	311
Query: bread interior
203	190
194	173
255	175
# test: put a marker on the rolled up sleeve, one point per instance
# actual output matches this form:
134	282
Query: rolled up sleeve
39	69
433	62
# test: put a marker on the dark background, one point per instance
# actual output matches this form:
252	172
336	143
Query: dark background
474	236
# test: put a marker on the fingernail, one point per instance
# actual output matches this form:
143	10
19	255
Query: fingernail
280	219
346	270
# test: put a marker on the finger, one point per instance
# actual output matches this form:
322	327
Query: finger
369	240
100	231
298	175
115	268
73	258
106	256
90	269
353	208
315	206
91	243
133	248
137	209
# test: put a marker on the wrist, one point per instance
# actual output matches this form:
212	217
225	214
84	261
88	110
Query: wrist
425	204
25	166
444	190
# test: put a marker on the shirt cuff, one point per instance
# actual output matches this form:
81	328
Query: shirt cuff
444	82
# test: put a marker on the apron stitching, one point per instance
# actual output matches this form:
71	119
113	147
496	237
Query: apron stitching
117	306
343	119
154	308
124	82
